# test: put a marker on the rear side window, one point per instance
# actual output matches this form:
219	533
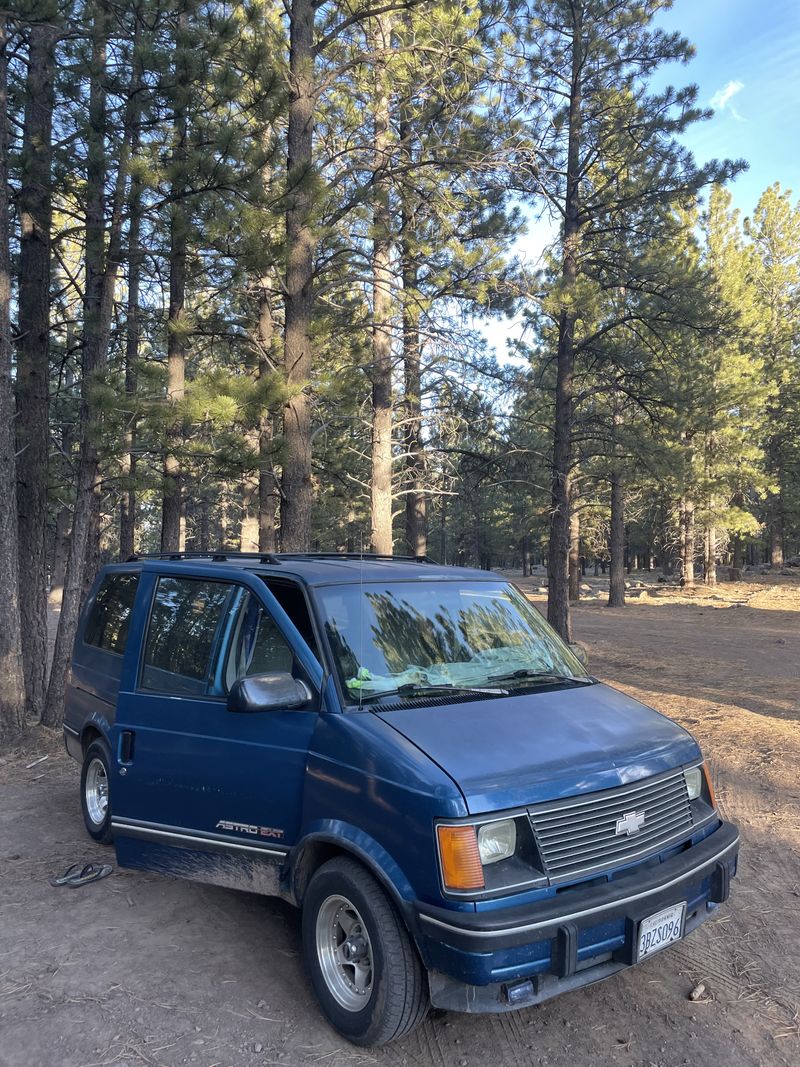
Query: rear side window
110	615
183	634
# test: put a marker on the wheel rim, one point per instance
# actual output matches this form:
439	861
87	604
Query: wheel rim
344	952
96	791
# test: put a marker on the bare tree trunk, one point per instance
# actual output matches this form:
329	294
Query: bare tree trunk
268	496
299	294
416	507
558	613
616	585
60	553
203	524
127	516
574	555
172	538
381	489
33	366
248	534
710	556
12	673
687	544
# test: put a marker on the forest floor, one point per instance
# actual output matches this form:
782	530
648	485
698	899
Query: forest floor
141	970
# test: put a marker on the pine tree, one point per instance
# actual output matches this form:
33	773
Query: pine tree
608	153
774	230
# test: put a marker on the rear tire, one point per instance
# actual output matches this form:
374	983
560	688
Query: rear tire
95	791
364	968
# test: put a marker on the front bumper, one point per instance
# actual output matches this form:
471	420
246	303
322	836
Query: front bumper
513	957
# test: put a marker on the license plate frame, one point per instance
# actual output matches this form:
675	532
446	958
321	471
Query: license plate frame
672	918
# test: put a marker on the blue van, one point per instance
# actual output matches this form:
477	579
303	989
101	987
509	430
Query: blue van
409	754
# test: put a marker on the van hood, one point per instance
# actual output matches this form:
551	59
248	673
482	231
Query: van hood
519	750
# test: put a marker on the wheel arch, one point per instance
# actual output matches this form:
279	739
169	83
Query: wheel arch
94	728
318	847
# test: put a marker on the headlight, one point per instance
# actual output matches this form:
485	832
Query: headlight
489	858
497	841
694	782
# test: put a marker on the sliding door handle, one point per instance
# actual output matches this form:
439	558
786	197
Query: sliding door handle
126	746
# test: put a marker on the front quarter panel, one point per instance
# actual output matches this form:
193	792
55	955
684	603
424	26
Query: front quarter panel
376	794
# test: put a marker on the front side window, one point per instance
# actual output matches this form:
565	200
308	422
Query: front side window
185	623
110	615
405	638
256	644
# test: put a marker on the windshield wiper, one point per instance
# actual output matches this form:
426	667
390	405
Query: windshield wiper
542	677
415	689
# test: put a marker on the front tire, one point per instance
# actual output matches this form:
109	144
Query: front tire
364	968
95	791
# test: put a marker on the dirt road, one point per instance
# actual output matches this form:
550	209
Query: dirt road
138	969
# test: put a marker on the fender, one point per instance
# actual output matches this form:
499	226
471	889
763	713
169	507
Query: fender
97	721
333	834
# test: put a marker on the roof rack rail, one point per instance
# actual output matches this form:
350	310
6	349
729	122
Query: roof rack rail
354	555
216	556
222	555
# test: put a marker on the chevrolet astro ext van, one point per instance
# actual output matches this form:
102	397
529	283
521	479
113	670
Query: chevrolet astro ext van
409	754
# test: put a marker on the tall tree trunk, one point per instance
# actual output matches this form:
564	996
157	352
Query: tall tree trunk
98	304
33	366
172	530
12	674
381	487
268	496
574	555
416	507
616	585
710	577
127	512
248	534
687	544
60	553
299	294
203	525
774	505
558	613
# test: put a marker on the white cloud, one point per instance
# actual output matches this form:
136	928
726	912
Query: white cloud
721	100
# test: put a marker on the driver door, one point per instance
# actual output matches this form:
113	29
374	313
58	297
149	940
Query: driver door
199	791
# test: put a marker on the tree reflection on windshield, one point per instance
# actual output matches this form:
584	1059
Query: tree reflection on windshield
440	634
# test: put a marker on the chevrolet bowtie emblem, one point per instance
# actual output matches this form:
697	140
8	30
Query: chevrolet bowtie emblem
630	823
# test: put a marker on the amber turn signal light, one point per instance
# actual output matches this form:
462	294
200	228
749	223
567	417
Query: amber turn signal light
709	785
461	860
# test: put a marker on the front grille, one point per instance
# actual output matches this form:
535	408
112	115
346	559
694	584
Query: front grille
578	835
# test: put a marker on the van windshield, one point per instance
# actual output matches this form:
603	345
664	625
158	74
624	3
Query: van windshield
408	638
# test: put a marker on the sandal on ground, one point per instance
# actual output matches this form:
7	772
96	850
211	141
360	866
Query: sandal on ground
82	876
70	872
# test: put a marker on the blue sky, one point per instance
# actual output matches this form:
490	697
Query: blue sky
747	67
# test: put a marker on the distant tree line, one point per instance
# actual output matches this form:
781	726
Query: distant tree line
243	249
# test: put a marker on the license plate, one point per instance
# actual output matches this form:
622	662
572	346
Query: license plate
660	930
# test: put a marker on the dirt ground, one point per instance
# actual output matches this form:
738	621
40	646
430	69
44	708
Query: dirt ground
138	969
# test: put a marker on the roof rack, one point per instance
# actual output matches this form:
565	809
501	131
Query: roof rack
217	556
223	555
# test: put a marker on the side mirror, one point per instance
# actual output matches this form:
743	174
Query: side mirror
579	652
278	691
